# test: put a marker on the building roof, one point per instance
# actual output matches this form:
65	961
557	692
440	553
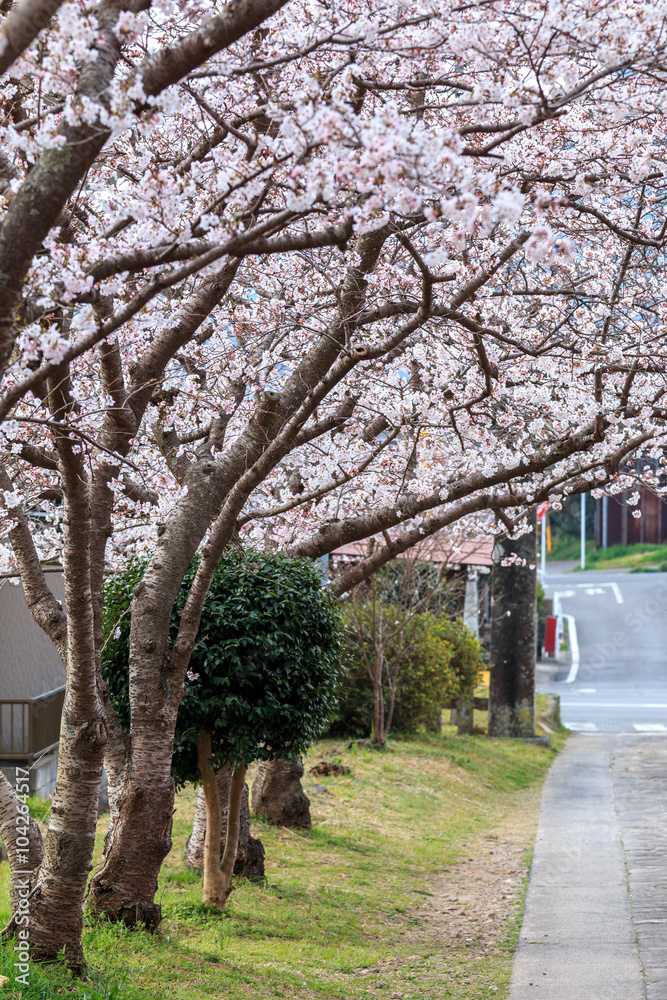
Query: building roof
471	552
29	662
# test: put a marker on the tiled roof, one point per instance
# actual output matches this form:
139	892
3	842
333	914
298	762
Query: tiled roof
471	552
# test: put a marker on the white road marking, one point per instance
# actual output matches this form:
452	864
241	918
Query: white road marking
649	727
581	727
574	648
587	691
616	590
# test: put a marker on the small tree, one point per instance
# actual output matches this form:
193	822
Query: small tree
426	659
382	638
262	680
390	636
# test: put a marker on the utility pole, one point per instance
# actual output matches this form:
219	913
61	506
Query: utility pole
542	517
583	531
514	636
464	711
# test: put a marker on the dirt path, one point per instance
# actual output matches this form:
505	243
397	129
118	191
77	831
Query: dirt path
476	901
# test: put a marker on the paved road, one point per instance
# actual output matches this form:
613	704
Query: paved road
595	924
617	679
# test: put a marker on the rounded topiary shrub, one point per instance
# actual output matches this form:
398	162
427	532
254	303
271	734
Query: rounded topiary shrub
264	672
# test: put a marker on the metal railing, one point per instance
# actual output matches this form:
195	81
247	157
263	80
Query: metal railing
29	726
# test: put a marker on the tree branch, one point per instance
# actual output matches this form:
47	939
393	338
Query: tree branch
22	25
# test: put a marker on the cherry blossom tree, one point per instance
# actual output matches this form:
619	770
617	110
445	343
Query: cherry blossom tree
294	275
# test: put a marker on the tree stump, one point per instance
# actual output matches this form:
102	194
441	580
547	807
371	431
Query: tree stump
250	853
278	796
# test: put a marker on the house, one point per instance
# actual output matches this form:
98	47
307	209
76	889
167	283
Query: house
32	689
616	525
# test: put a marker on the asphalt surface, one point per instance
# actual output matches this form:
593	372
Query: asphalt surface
595	923
615	677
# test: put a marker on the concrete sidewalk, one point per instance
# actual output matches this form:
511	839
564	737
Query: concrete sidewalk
595	924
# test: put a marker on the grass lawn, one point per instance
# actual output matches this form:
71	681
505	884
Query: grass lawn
632	557
640	558
341	913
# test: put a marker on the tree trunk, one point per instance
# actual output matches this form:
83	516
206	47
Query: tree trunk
23	841
56	920
141	807
141	818
141	812
233	826
389	714
513	637
434	724
464	716
278	796
250	851
378	706
213	893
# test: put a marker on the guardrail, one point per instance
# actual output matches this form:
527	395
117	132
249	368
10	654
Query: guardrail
30	726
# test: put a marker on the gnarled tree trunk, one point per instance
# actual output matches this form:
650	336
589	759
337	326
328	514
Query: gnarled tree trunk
56	919
250	851
139	840
278	796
